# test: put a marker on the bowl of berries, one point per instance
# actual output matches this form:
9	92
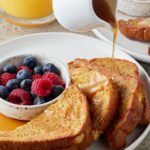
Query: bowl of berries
29	83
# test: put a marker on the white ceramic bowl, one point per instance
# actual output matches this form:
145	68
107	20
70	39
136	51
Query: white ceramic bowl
27	112
137	8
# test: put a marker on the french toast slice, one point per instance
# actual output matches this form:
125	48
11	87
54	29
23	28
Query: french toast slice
63	125
101	92
136	29
134	106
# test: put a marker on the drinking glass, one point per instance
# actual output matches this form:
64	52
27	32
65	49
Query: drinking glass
27	12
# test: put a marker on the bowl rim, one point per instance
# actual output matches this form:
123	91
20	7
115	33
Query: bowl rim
64	65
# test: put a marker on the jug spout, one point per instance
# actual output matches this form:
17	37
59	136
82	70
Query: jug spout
112	5
106	11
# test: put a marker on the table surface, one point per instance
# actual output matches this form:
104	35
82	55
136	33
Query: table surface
8	31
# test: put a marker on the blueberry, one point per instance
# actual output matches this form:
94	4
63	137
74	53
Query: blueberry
3	92
10	68
23	74
38	101
38	70
12	84
26	84
30	62
51	68
49	97
33	96
57	90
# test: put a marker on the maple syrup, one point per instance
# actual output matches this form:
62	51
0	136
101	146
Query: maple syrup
115	34
7	124
105	10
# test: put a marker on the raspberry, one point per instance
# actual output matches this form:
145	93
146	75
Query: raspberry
36	76
55	79
25	68
41	87
5	77
20	96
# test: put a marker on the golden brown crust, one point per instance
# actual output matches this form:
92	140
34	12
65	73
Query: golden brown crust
126	123
135	29
117	134
55	127
104	103
146	113
131	110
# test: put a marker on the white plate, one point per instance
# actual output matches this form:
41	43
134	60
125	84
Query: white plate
67	47
137	49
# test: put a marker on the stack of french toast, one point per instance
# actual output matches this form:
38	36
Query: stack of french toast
106	97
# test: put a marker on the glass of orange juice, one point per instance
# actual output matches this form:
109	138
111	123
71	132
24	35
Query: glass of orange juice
27	12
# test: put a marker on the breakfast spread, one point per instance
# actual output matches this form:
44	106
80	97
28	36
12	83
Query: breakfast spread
136	29
49	105
99	101
30	83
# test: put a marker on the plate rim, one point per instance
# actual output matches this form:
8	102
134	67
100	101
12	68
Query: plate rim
98	35
147	129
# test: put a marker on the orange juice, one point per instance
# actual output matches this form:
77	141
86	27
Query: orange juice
27	9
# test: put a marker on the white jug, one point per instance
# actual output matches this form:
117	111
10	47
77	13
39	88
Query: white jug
79	15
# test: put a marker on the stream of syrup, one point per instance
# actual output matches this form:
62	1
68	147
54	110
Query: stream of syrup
115	34
105	12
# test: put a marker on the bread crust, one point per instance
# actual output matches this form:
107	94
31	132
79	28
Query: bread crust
132	99
104	103
44	138
146	113
133	30
125	124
